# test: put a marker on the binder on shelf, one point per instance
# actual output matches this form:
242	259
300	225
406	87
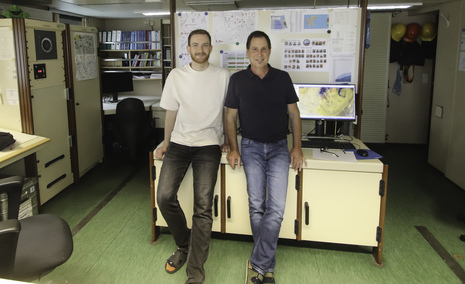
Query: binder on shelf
118	40
113	39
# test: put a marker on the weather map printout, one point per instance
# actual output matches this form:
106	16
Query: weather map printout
312	22
234	27
85	56
188	22
282	21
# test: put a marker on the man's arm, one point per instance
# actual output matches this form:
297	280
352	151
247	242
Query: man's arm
233	155
225	147
297	156
170	119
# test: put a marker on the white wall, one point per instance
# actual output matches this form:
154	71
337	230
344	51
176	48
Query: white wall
446	151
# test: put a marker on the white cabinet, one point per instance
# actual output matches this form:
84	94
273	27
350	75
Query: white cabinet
329	201
340	207
186	198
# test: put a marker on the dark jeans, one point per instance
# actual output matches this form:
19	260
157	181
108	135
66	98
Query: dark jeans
205	163
266	167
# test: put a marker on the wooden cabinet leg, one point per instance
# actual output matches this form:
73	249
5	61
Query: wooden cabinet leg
378	251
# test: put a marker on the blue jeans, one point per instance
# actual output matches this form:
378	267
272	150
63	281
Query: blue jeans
266	167
205	163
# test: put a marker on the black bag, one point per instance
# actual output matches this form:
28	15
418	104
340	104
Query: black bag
6	139
411	54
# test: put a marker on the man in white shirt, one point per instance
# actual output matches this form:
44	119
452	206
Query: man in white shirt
193	97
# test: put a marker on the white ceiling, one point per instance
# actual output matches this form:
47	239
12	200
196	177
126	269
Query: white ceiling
127	8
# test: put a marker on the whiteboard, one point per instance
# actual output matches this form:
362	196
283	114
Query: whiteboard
312	45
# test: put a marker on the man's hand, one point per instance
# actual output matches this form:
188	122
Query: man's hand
225	148
297	159
234	158
160	152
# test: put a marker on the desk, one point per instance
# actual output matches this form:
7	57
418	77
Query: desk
24	146
328	201
110	108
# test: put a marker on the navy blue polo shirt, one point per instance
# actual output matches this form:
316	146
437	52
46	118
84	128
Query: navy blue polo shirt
262	103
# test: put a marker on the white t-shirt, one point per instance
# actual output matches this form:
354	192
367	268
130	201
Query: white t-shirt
198	96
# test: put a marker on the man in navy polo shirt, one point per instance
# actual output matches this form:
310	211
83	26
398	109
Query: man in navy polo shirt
264	98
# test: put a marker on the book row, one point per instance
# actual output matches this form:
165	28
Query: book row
129	40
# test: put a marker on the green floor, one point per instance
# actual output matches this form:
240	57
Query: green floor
113	247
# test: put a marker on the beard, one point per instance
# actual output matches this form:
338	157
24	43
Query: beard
202	59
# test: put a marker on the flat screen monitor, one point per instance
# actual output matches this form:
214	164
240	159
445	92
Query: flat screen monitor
116	82
322	102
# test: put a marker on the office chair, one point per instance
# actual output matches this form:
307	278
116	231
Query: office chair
132	126
33	246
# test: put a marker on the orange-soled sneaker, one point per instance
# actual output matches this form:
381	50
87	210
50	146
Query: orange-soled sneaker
176	260
252	276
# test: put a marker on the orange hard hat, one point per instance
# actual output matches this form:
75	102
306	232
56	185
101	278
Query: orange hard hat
412	31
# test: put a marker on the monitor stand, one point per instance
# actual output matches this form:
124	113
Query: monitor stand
320	132
319	128
114	98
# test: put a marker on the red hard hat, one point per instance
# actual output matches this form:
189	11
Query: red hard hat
412	32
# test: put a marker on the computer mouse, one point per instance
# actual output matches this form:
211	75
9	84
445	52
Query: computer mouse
362	153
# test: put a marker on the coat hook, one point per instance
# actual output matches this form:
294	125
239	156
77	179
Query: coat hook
447	21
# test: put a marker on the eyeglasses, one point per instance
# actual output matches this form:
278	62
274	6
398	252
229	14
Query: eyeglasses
325	150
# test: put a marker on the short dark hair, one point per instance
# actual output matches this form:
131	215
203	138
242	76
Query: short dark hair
198	32
258	34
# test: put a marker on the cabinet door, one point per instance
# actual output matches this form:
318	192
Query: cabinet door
340	207
88	103
237	204
290	213
186	198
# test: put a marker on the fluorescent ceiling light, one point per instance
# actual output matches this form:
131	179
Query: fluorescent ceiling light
151	13
393	7
155	13
209	2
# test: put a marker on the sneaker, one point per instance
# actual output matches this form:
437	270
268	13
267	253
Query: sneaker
252	276
268	278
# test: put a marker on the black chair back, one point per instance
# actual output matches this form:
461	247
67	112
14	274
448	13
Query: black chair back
132	126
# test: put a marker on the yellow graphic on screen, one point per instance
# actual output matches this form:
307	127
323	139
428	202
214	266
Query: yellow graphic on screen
326	101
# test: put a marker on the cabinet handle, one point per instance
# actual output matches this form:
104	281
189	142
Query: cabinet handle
307	213
49	163
216	205
56	180
228	207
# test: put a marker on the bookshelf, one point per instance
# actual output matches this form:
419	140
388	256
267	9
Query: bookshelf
139	52
166	48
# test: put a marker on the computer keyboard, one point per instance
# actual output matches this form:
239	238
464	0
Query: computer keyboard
326	143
